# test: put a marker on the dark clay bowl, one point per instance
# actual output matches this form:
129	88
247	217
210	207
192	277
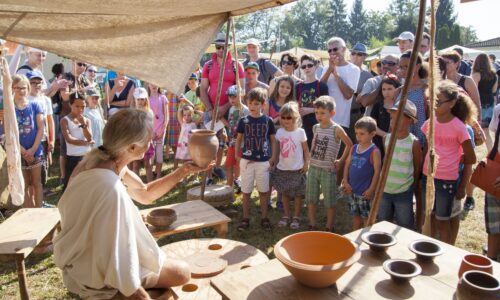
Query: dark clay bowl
379	241
161	217
426	250
401	270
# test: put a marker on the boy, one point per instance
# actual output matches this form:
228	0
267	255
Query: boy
324	164
236	112
404	172
361	171
256	133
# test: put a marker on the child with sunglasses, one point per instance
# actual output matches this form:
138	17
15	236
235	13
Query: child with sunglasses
289	178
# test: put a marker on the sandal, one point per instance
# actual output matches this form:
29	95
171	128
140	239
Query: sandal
265	223
295	223
244	224
283	222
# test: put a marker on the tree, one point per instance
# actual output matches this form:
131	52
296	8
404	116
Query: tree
443	37
262	25
445	14
468	35
380	24
358	24
338	22
406	14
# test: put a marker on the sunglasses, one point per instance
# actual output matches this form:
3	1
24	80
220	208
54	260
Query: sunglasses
333	50
80	64
141	99
287	62
388	63
91	71
35	82
218	47
20	88
307	66
357	53
286	118
439	103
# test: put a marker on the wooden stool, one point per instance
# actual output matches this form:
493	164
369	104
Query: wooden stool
215	195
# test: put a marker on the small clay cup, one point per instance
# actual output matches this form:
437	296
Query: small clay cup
401	270
475	262
426	250
478	285
379	241
161	218
203	146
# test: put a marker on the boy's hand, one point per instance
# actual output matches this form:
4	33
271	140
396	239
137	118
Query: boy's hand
347	187
305	168
368	194
238	157
338	165
272	164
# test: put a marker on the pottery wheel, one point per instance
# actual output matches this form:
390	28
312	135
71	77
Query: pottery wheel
205	265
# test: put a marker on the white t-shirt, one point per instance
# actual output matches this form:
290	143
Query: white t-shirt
291	152
369	86
46	104
494	122
350	74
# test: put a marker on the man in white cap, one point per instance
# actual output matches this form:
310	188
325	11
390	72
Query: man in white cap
405	41
267	69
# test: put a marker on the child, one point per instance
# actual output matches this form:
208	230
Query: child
404	172
324	164
173	127
289	177
361	171
281	95
159	107
450	139
142	102
185	117
256	134
94	113
237	111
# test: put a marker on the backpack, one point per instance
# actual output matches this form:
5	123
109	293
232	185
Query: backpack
262	68
210	64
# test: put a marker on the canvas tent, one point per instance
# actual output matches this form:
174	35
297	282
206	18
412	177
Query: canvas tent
153	40
468	52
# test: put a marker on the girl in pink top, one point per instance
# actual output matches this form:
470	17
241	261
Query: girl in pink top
159	107
451	140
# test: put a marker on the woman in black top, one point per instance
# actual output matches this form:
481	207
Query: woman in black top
119	93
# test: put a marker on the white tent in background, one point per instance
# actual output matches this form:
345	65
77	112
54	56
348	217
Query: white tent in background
156	41
468	52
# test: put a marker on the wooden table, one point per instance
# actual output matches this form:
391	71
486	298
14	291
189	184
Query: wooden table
237	254
21	233
191	215
365	279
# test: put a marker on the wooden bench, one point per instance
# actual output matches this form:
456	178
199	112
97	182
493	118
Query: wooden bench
191	215
21	233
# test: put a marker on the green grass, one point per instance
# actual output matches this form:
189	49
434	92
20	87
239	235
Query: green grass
45	279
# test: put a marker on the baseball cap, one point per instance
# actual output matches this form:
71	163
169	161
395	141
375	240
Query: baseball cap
36	50
410	110
232	90
405	36
253	41
220	39
253	65
360	47
91	67
34	74
92	93
140	93
193	76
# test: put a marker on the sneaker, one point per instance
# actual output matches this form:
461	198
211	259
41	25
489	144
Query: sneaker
469	203
209	181
196	181
219	173
279	205
237	186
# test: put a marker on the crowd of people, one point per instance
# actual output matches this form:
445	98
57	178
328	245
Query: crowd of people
300	128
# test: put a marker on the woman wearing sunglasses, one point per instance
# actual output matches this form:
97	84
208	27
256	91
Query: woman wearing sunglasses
119	93
288	64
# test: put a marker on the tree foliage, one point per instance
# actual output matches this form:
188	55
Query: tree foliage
358	23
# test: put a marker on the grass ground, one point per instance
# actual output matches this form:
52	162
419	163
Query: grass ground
45	279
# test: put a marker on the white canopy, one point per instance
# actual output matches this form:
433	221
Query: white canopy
153	40
469	53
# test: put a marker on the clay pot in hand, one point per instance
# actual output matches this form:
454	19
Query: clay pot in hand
477	285
475	262
203	146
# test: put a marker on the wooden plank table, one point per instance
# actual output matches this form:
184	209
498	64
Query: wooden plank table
21	233
191	215
365	279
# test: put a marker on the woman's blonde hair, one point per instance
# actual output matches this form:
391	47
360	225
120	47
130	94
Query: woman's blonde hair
125	128
19	78
292	109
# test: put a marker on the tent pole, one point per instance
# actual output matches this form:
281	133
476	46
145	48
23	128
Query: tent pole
217	100
235	50
399	117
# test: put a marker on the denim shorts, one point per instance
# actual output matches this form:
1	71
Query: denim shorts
398	206
445	191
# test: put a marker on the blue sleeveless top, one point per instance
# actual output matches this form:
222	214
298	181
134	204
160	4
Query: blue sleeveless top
361	170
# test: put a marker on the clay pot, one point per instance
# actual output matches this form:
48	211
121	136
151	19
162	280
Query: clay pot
401	270
426	250
379	241
475	262
203	146
316	259
477	285
161	217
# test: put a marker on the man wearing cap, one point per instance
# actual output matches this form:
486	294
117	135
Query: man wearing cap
358	56
370	92
425	44
342	78
405	41
252	74
267	69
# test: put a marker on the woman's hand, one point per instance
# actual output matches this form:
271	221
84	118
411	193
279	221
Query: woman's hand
190	167
7	80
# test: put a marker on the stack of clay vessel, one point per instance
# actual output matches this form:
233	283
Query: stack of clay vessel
316	259
203	146
475	262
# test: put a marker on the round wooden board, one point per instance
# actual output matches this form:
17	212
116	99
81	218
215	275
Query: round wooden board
204	265
215	195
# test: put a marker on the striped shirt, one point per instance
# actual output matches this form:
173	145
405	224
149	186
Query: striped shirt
325	147
400	176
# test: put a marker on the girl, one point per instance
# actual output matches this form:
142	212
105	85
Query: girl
450	140
29	115
173	127
94	113
283	94
389	91
289	177
142	103
159	107
185	117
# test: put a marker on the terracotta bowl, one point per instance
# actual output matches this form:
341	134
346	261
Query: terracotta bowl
426	250
316	259
379	241
401	270
161	217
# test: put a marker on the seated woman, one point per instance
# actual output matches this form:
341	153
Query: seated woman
104	248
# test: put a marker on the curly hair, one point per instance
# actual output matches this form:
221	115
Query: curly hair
464	108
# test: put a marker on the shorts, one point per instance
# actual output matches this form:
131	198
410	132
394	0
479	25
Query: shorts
445	191
492	214
358	206
291	183
222	137
158	145
231	157
486	116
457	208
322	181
398	206
39	161
254	172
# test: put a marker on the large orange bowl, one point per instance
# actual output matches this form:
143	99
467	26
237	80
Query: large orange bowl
316	259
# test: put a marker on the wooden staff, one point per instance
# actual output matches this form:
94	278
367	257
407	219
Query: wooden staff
217	100
399	117
235	50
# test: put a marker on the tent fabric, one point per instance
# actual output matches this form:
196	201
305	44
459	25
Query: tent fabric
469	53
157	41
